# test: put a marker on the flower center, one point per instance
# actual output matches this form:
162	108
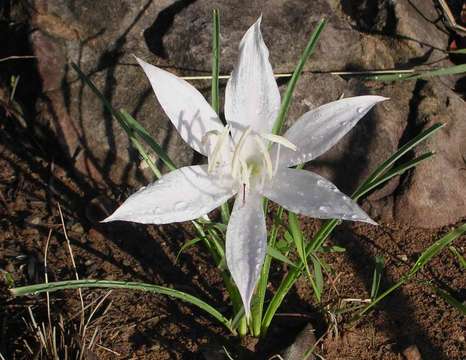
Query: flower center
250	161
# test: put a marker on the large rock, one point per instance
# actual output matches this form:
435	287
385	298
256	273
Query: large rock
101	37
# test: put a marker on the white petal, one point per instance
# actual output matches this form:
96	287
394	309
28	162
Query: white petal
246	243
251	96
187	109
306	193
318	130
184	194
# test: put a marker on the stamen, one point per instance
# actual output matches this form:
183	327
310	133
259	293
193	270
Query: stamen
267	160
280	140
218	148
244	194
245	173
236	155
277	158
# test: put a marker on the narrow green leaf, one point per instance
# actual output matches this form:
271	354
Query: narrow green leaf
318	240
452	70
286	102
259	297
396	171
277	255
319	277
423	259
215	60
450	299
436	248
331	249
139	130
460	51
80	284
297	235
377	276
460	257
186	246
424	135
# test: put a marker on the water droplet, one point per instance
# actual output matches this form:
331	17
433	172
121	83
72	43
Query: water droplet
356	217
360	110
326	185
324	209
180	205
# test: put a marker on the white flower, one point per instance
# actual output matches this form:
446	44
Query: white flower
251	162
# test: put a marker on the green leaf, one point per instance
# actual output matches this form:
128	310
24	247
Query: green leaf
460	51
319	277
375	179
286	102
186	246
460	257
277	255
331	249
423	259
215	60
377	276
80	284
450	299
452	70
138	129
382	168
436	248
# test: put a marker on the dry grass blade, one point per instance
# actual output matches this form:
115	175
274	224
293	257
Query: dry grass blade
70	250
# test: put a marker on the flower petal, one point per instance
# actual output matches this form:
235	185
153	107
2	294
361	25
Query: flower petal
246	243
251	96
181	195
307	193
187	109
318	130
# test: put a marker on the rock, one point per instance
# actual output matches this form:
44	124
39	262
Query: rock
434	194
412	353
381	34
303	342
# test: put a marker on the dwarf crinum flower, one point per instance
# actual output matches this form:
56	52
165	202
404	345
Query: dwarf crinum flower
245	159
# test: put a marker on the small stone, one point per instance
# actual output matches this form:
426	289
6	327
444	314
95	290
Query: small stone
304	341
412	353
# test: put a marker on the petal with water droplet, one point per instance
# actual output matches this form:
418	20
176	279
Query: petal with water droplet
246	242
318	130
312	195
184	194
251	96
187	109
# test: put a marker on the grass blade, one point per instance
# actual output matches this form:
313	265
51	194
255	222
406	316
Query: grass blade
421	74
277	128
138	129
277	255
378	176
402	151
377	277
450	300
186	246
215	60
423	259
460	257
79	284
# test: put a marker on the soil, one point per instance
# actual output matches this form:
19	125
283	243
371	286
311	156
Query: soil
140	325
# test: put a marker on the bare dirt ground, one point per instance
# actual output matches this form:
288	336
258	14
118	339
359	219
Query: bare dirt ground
138	325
